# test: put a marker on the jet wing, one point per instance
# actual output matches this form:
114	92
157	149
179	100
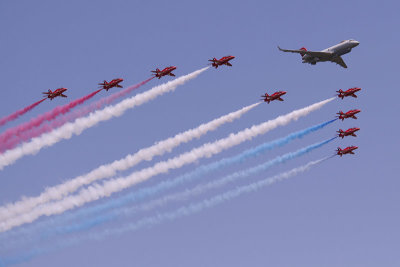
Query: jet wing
339	61
311	53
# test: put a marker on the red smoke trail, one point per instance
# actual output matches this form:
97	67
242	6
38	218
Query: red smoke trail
108	100
36	131
18	113
48	116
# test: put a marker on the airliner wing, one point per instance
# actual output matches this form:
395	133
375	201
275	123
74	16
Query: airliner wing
311	53
339	60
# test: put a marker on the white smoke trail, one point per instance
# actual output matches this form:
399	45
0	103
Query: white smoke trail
36	251
207	203
97	191
79	125
201	188
108	170
116	214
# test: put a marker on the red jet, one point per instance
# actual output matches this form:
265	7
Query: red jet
348	114
347	150
222	61
167	71
114	83
274	96
348	132
349	92
57	92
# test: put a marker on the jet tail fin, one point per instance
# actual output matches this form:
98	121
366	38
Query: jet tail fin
304	49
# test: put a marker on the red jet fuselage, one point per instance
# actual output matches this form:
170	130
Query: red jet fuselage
349	92
348	132
348	114
347	150
222	61
274	96
167	71
58	92
114	83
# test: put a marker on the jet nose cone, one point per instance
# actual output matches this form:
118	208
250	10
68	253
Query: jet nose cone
356	43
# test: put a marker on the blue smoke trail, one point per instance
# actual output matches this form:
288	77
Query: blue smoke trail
222	181
143	193
250	153
210	202
169	216
116	214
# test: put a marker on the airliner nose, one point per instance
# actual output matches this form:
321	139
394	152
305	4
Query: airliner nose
356	43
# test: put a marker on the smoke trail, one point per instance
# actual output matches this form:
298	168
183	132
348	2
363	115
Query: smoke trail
108	170
207	203
97	191
108	100
167	216
116	214
26	132
142	193
50	115
81	124
222	181
20	112
196	174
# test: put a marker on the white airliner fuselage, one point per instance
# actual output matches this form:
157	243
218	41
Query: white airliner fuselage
332	53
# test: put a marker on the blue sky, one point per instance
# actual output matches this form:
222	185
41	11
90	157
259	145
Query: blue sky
341	213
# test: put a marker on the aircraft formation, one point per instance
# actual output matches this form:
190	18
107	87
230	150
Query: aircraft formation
15	136
341	115
332	54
